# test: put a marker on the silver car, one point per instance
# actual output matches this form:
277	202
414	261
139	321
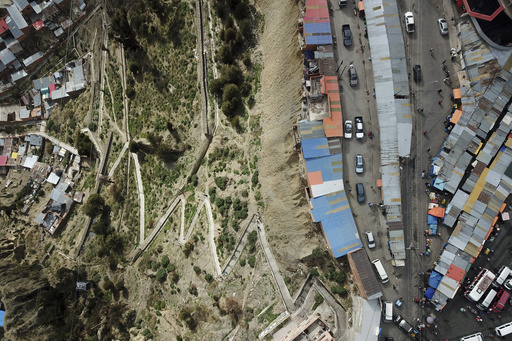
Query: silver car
443	26
352	73
359	164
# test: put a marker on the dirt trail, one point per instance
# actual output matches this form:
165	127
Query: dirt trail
279	102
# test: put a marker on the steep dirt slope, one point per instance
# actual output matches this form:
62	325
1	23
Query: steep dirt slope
286	211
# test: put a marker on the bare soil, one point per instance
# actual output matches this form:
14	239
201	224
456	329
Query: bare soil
286	213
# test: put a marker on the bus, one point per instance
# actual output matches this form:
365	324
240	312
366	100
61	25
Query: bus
479	286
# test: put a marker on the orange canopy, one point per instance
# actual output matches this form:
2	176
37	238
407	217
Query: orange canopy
361	6
456	93
456	116
437	212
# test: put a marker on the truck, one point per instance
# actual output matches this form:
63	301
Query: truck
347	35
403	324
409	22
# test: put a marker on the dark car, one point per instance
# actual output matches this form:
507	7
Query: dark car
347	35
360	193
416	71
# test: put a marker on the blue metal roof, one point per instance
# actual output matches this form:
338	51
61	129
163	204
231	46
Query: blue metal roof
315	148
322	27
326	205
331	167
319	40
333	212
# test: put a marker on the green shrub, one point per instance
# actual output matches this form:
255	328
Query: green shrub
161	275
251	261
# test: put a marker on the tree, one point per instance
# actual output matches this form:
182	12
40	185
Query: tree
231	91
208	278
232	74
94	205
100	227
134	147
225	54
161	275
165	261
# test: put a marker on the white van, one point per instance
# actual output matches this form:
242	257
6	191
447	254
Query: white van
380	270
487	301
504	329
473	337
388	311
502	276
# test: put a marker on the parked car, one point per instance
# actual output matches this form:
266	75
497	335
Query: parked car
347	35
352	73
416	71
360	193
370	239
359	164
359	127
443	26
348	129
409	22
403	324
342	3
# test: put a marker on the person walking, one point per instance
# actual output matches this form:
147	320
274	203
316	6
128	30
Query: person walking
439	91
423	174
440	101
431	51
425	132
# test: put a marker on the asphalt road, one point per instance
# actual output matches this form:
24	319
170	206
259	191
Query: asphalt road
358	101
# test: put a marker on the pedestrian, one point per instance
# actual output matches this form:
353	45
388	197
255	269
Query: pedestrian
488	259
439	91
440	101
431	50
419	110
428	150
423	175
499	317
444	61
394	287
426	191
425	132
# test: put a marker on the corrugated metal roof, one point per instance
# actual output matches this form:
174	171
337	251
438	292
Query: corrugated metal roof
311	129
16	17
363	269
313	148
325	174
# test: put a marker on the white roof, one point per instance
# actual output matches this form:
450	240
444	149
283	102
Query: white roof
53	178
30	161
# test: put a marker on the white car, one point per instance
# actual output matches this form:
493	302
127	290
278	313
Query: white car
409	22
359	127
370	239
348	129
443	26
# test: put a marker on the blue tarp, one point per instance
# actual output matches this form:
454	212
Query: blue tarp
2	313
309	55
435	279
433	227
430	293
439	184
431	219
315	148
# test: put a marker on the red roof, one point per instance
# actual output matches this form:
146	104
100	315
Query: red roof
3	26
333	125
38	24
3	160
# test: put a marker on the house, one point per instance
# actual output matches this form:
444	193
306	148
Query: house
22	5
7	57
41	83
13	45
25	114
16	76
34	140
33	60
